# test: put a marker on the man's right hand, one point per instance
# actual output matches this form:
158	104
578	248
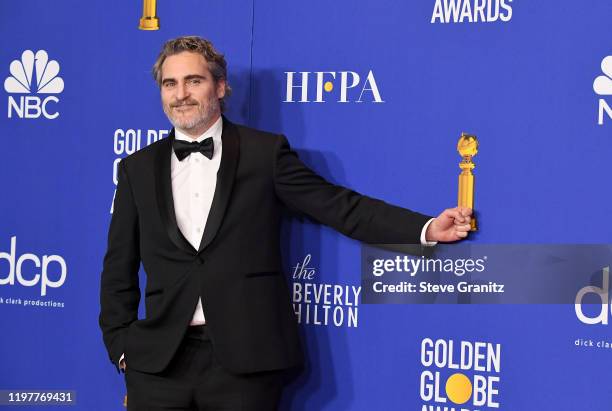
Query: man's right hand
451	225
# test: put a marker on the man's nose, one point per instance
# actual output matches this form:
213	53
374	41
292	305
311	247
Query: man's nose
181	91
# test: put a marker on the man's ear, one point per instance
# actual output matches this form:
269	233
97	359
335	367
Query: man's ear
221	88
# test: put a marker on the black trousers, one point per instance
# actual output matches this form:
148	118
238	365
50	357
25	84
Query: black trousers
194	380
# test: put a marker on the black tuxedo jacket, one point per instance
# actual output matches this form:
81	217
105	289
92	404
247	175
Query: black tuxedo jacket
237	269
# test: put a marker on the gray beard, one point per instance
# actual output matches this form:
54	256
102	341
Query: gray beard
204	116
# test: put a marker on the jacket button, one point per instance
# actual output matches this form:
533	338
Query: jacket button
200	259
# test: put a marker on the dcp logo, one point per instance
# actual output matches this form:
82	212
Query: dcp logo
603	294
34	73
603	86
16	269
351	89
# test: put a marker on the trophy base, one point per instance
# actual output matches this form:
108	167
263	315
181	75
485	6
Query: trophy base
149	23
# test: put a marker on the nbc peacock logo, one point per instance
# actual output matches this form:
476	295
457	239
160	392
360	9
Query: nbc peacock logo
603	87
33	74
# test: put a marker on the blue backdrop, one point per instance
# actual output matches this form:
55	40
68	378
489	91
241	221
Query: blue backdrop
373	96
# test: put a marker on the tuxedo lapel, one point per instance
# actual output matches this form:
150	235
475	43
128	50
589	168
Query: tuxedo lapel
165	200
225	181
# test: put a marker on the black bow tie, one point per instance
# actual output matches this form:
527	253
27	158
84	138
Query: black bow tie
182	148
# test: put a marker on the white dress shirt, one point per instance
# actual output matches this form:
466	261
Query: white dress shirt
193	186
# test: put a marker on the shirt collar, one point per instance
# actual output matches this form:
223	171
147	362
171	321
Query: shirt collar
214	131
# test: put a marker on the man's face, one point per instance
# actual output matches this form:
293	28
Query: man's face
190	96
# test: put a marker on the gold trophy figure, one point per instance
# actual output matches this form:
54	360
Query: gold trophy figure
467	148
149	20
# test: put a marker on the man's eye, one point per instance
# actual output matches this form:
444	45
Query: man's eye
169	84
195	81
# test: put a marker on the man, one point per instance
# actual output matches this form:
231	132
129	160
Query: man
201	211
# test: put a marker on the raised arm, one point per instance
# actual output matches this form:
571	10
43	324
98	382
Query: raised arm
357	216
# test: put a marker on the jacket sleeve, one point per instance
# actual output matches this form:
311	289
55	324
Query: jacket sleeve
119	290
354	215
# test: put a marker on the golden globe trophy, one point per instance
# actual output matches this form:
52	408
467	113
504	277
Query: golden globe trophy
467	148
149	20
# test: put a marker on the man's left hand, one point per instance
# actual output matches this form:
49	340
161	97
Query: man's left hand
452	225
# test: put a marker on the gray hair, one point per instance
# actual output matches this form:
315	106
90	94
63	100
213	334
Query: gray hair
195	44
